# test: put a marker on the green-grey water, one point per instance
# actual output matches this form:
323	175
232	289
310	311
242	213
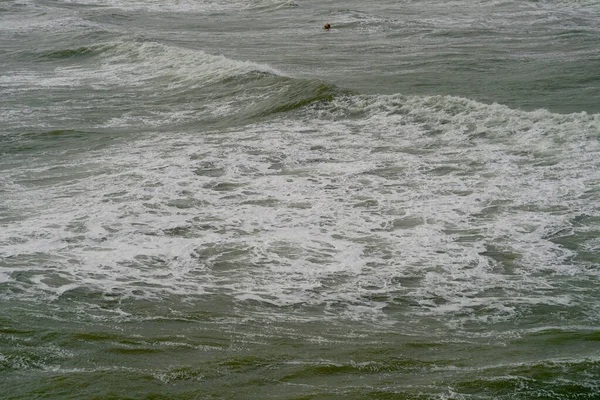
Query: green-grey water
221	199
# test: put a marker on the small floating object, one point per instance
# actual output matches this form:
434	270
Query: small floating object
326	26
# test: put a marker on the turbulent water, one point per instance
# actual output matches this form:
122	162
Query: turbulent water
220	199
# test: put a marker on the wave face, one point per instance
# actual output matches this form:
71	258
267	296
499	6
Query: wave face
170	85
221	199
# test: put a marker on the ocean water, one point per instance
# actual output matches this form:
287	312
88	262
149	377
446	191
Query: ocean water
205	199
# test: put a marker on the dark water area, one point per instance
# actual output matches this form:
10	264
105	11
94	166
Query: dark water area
221	199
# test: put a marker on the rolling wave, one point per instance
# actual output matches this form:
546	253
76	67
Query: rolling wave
170	85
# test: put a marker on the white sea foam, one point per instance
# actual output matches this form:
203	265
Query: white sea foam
434	206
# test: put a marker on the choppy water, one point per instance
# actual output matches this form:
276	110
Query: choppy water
219	199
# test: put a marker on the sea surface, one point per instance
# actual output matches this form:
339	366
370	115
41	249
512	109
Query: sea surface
219	199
